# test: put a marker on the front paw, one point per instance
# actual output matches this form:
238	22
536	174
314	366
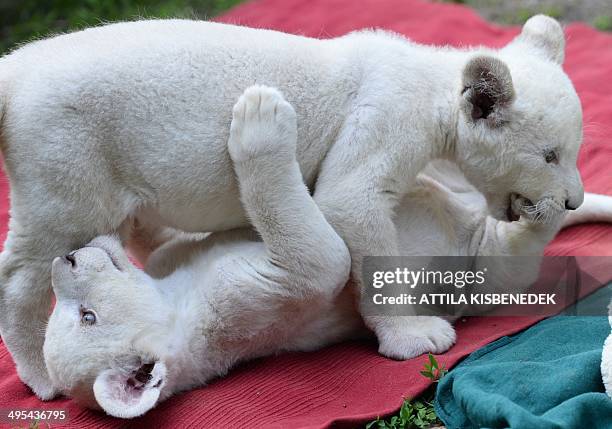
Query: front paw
412	338
263	123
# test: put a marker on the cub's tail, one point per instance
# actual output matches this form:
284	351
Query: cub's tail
595	208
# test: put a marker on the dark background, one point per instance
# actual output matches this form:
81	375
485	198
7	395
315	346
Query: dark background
24	20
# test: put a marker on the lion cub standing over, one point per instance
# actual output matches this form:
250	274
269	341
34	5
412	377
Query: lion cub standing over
131	120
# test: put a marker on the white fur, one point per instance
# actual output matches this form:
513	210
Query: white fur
105	391
131	120
606	357
210	302
606	362
596	208
230	297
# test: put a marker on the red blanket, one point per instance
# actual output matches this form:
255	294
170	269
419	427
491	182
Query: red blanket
349	384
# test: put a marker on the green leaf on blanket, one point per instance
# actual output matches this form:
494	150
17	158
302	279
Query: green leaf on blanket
432	369
417	414
427	374
433	361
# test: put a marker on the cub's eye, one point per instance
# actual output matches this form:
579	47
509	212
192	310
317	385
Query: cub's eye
551	157
88	317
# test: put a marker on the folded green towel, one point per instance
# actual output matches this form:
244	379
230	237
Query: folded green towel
545	377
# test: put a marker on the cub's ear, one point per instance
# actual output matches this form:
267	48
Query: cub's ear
543	35
487	89
127	393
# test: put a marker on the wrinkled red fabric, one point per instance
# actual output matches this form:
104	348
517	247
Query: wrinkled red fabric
349	384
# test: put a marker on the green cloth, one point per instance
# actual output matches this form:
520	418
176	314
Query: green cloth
545	377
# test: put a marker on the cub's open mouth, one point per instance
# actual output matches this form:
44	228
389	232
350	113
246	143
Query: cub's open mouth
516	203
510	215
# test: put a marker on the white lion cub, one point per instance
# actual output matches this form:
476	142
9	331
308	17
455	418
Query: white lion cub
123	339
131	120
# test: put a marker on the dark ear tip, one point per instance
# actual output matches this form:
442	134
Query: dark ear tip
484	68
482	63
487	85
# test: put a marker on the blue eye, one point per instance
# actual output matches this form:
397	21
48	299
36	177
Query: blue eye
551	157
88	317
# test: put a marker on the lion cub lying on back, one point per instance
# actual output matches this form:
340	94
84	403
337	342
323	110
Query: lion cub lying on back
123	340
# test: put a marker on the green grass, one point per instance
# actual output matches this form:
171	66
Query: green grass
521	15
420	413
33	425
516	12
603	22
25	20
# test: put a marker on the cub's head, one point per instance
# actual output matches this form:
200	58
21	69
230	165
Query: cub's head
520	125
100	345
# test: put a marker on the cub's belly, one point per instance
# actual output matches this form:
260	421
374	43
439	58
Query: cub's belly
203	214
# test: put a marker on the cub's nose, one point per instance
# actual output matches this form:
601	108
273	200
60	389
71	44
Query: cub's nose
70	259
569	206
